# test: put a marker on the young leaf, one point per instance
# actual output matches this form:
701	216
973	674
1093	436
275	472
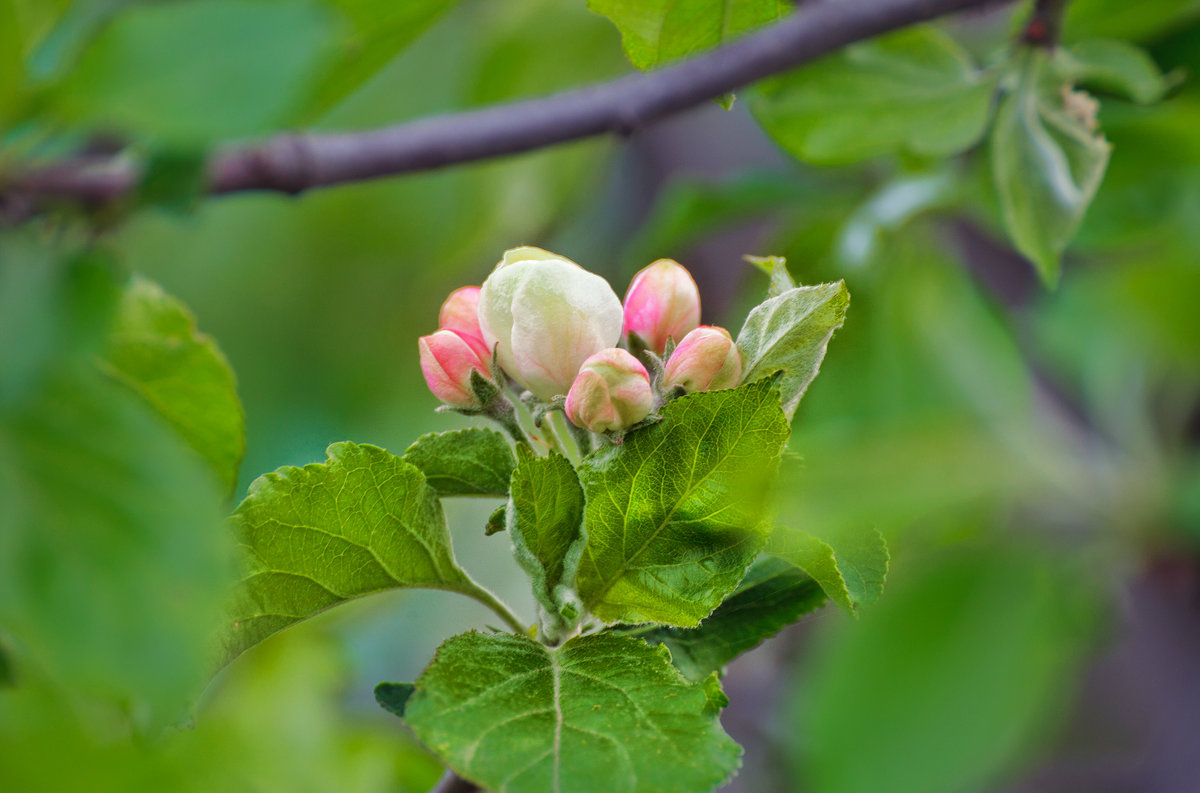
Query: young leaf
156	351
773	595
1048	161
776	269
656	31
393	697
1117	66
363	521
913	91
497	521
790	333
675	514
545	521
470	462
602	712
852	574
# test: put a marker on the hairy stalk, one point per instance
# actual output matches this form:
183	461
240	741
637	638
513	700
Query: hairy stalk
473	590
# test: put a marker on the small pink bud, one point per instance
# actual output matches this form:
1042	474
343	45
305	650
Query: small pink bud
460	312
705	360
611	393
662	302
447	360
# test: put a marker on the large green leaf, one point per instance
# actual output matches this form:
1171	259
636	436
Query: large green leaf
657	31
773	595
790	333
914	91
545	521
470	462
155	349
601	713
363	521
675	514
851	572
1047	161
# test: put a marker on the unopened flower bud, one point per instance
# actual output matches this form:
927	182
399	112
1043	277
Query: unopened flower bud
705	360
662	303
447	360
547	314
460	313
611	393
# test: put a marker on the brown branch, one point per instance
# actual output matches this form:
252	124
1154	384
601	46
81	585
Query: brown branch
293	163
453	783
1044	28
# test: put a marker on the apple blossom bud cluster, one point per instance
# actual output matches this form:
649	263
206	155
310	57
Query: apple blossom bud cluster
557	330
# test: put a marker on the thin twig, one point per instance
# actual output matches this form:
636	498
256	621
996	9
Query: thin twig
1044	28
293	163
453	783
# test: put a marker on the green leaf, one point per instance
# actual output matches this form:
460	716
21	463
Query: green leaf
155	349
363	521
8	675
675	515
470	462
602	712
914	91
1141	21
195	71
773	595
545	521
497	521
174	179
393	697
851	572
955	682
776	269
790	333
1047	161
12	61
1117	66
657	31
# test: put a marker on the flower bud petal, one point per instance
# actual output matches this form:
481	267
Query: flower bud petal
460	312
611	393
447	360
705	360
662	302
547	314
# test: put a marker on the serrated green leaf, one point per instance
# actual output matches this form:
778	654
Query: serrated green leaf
773	595
601	713
1113	65
790	333
1047	162
776	269
675	515
470	462
914	91
656	31
852	572
363	521
545	522
155	350
393	697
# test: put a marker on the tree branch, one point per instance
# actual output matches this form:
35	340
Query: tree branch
293	163
1044	28
453	783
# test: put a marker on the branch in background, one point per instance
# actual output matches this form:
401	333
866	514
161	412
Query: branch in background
1044	28
293	163
453	783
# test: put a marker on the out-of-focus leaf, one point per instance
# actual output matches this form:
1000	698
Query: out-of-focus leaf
193	71
470	462
393	697
657	31
790	333
888	209
174	179
12	61
948	683
155	349
914	91
1117	66
8	675
1121	19
363	521
1047	162
851	572
675	514
602	712
773	595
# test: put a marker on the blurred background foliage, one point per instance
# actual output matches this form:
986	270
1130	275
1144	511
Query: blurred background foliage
1030	453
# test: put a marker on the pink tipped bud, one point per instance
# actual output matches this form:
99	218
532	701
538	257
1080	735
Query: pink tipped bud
447	360
460	312
662	302
611	393
705	360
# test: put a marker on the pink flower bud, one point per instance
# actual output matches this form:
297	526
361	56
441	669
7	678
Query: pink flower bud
705	360
447	360
611	393
460	313
662	302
